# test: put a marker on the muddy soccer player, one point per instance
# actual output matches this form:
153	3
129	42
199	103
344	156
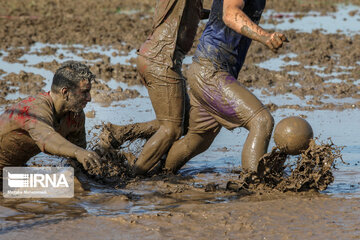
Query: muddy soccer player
159	65
52	122
217	98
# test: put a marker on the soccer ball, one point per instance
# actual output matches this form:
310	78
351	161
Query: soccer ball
293	134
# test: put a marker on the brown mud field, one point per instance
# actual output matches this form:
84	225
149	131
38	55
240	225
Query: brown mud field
315	76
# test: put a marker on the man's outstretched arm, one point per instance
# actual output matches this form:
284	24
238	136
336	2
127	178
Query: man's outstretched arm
49	141
236	19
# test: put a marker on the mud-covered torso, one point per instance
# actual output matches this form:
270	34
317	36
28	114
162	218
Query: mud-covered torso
224	48
25	125
175	26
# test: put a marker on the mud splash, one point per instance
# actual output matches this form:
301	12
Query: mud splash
312	170
114	171
118	148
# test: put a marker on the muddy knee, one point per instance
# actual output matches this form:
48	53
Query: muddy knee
263	121
172	132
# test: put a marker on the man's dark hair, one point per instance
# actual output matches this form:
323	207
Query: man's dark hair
69	75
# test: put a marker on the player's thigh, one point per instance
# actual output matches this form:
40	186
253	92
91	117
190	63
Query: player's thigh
167	100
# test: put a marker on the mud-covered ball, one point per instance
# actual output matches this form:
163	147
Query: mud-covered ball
293	134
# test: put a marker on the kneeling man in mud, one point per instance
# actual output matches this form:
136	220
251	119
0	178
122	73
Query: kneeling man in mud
52	122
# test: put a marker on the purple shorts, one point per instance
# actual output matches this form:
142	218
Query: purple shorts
218	99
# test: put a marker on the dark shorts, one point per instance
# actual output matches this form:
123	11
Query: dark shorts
166	89
218	99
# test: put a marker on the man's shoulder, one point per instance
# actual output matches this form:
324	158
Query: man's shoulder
44	97
41	105
31	103
40	100
31	109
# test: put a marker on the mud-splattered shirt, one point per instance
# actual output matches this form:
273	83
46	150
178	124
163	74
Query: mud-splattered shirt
174	30
222	46
26	126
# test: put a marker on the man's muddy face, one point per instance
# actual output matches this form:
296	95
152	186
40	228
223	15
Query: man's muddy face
79	97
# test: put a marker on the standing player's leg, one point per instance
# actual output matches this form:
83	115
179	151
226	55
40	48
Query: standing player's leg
168	132
257	142
232	105
250	113
203	129
188	147
166	91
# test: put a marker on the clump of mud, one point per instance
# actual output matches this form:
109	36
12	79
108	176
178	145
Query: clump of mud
90	114
51	66
121	73
312	170
105	95
46	51
14	55
27	83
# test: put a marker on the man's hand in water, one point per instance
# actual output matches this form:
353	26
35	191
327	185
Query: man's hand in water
274	41
87	158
